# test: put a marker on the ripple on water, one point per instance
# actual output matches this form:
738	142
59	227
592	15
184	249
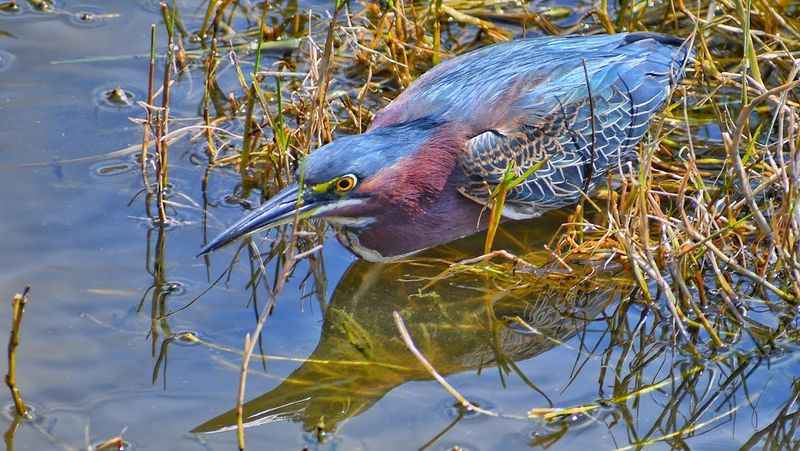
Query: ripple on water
782	353
175	219
91	16
452	409
186	338
115	97
455	446
329	441
233	201
34	416
198	157
174	288
222	197
578	421
6	60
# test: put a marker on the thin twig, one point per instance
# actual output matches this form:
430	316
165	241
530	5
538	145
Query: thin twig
17	309
398	321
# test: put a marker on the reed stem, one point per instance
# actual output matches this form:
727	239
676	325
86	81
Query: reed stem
17	309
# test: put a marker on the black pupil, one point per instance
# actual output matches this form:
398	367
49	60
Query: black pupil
344	184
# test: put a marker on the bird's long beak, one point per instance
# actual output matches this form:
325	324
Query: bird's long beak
280	209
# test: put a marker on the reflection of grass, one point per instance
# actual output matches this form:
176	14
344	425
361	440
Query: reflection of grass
706	228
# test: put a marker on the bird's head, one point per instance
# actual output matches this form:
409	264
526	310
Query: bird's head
388	175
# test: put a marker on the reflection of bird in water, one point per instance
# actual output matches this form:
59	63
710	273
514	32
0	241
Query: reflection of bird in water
421	174
360	356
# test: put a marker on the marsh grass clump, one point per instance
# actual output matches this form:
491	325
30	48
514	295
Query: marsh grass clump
706	227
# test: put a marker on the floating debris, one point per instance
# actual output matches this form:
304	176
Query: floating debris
44	6
112	169
9	7
114	443
173	288
187	338
119	96
89	16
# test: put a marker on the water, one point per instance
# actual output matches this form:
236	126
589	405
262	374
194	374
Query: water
90	362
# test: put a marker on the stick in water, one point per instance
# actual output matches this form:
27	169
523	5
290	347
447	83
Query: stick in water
401	326
17	308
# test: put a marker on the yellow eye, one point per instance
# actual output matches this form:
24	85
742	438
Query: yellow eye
345	183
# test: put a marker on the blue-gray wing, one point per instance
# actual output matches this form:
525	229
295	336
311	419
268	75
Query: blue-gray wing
529	100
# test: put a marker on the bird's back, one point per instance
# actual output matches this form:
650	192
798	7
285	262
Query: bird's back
526	100
461	88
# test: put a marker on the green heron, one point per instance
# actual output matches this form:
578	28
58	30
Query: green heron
424	170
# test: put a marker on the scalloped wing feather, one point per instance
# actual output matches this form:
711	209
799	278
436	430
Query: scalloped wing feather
526	100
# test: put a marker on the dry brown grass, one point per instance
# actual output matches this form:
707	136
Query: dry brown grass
709	219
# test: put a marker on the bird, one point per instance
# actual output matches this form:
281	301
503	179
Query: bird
563	111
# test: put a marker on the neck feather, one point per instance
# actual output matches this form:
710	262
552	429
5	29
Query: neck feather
421	206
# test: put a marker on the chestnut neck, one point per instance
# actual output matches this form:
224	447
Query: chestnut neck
445	217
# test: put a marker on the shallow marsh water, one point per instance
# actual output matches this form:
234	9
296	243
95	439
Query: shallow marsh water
88	359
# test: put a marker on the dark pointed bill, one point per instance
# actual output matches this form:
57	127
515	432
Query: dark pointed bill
280	209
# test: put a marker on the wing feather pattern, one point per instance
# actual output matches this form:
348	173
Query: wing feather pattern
528	100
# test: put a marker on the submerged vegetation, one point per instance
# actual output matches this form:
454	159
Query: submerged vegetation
702	241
